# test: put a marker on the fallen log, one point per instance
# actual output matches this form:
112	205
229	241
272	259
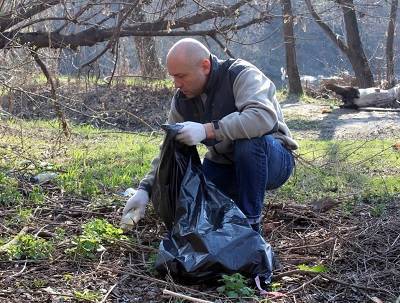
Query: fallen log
374	97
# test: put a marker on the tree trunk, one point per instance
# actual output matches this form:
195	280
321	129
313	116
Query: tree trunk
356	55
353	97
290	49
353	49
389	44
150	65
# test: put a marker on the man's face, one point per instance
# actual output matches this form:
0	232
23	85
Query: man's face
189	77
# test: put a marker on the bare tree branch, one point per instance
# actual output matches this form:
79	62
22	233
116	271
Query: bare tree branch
94	35
53	86
334	37
23	12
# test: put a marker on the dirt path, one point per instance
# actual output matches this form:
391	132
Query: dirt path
314	121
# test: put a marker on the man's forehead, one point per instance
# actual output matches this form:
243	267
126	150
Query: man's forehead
177	66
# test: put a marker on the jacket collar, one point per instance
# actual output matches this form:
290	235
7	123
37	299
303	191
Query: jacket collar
212	78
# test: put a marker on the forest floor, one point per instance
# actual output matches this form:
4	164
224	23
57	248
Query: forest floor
357	250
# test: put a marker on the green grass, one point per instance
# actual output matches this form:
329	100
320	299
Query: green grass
359	171
282	95
95	163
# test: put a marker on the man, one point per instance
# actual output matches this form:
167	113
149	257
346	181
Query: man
231	107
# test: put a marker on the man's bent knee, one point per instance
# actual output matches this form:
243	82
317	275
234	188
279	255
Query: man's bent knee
246	147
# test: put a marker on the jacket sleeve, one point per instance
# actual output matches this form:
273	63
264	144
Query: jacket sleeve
147	182
257	107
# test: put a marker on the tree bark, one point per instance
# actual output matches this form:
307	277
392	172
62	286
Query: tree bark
353	49
290	49
390	78
356	55
353	97
150	65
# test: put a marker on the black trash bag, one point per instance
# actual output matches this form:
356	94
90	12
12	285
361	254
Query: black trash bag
208	234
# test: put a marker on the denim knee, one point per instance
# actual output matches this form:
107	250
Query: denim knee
244	147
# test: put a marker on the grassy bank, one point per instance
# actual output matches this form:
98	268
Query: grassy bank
94	163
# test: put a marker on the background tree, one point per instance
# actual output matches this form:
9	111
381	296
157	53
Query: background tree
390	78
290	49
150	65
353	49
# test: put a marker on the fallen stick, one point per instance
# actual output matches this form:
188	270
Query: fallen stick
303	285
175	294
288	249
142	276
355	285
108	293
379	109
18	273
325	276
5	247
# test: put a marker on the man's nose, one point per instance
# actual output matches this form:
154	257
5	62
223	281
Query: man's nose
178	84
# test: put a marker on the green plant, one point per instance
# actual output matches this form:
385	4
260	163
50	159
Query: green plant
59	233
37	195
87	295
96	233
68	277
378	210
9	194
275	286
23	215
235	286
103	230
39	283
316	268
150	264
29	247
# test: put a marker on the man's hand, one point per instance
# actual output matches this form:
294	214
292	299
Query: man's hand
136	205
192	133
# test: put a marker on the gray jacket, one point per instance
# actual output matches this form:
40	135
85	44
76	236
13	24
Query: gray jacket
257	113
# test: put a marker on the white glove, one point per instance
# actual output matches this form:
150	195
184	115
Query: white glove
134	209
192	133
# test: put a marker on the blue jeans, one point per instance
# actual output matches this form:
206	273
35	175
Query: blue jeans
259	164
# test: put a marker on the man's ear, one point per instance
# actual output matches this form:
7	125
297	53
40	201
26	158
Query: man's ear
206	66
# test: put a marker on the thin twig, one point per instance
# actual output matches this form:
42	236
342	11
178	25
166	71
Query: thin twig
178	295
109	292
18	273
303	285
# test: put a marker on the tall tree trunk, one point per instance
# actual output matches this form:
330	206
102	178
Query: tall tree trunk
389	44
353	49
150	65
290	49
357	57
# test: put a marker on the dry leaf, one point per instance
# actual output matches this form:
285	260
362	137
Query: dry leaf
396	146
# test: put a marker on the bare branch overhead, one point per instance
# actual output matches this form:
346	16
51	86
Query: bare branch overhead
92	22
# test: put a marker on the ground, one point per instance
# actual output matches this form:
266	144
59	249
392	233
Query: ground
145	109
325	122
359	250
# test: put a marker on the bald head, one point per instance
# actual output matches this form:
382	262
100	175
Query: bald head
188	62
188	50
